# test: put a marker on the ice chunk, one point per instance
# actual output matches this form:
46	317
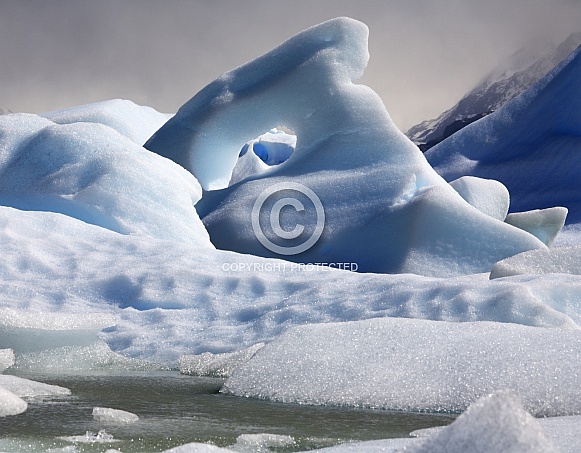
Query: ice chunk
565	260
29	331
10	404
196	447
487	195
384	207
74	359
218	365
6	359
92	173
25	388
90	437
542	223
417	365
113	416
135	122
496	422
261	443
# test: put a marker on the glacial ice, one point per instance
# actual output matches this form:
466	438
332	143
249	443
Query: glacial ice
487	195
544	224
133	121
90	172
563	260
216	365
385	208
10	404
416	365
6	359
495	423
113	416
258	155
26	388
104	254
531	144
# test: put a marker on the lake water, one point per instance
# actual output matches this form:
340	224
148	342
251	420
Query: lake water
175	409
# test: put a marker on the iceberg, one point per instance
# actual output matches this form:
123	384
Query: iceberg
92	173
531	144
384	206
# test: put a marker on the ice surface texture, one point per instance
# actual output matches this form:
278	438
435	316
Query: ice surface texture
532	144
385	207
416	365
113	416
91	172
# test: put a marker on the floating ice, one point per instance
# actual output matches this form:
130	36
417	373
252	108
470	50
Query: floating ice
113	416
25	388
29	331
10	404
261	443
545	224
135	122
531	144
6	359
384	206
218	365
196	447
565	260
91	438
487	195
416	365
95	357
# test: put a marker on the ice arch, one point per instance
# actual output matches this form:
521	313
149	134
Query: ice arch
290	85
385	208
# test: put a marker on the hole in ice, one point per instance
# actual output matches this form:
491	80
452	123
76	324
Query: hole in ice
274	147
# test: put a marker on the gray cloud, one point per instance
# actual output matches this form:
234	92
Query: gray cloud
425	54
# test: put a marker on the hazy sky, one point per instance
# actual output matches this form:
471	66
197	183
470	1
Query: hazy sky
425	54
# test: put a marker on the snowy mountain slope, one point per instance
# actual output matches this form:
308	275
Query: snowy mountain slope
512	77
532	144
4	110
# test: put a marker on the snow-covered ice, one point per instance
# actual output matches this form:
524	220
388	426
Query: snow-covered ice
416	365
113	416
